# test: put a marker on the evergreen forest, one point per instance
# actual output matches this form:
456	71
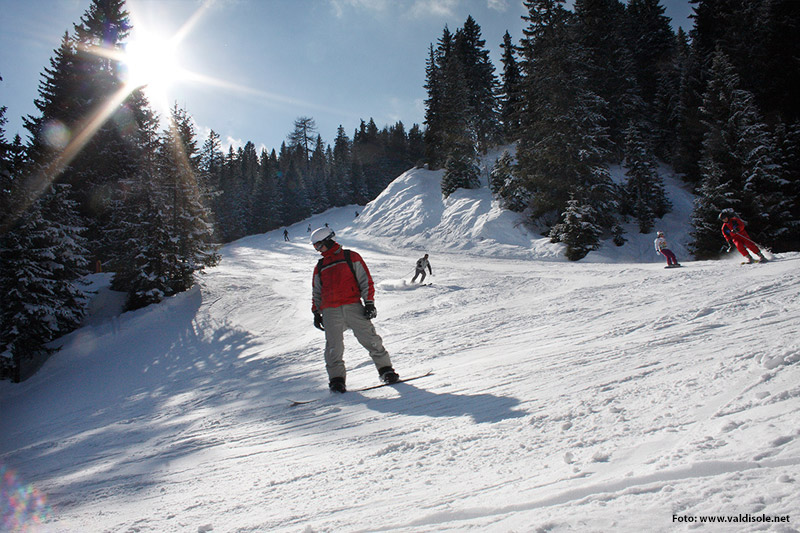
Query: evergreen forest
101	185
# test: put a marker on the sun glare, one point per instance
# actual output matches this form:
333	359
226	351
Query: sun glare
152	63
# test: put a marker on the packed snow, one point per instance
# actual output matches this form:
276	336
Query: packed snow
609	394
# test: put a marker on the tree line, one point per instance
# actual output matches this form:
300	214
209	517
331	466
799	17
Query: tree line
610	83
259	192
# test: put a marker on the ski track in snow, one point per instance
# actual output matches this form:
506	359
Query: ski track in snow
589	396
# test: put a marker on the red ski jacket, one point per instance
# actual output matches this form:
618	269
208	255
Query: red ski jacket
337	282
733	228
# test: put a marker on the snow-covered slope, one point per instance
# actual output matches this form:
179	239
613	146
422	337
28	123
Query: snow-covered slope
604	395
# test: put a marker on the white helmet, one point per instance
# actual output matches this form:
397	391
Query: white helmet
660	233
321	234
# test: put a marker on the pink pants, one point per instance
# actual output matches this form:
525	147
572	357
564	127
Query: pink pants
671	259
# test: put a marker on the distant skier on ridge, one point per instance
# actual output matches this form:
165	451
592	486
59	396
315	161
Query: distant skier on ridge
340	282
733	230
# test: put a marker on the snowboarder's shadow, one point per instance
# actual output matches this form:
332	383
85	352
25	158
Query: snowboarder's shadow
416	401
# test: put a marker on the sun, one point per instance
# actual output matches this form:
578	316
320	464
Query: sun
152	64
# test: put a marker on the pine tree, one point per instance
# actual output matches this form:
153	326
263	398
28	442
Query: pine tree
268	198
6	171
41	259
297	205
711	198
190	224
483	118
416	146
169	233
506	185
305	130
739	145
510	99
763	176
645	196
358	181
651	42
759	37
318	177
434	105
461	171
578	230
369	149
561	150
687	135
610	71
788	139
341	186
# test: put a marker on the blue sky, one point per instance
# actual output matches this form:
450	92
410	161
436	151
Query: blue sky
260	64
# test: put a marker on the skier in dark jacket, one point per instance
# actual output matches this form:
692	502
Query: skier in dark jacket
341	281
422	262
733	230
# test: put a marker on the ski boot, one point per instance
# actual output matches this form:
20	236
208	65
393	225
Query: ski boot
388	375
337	385
761	258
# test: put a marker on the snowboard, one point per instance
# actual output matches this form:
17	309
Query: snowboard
292	403
673	266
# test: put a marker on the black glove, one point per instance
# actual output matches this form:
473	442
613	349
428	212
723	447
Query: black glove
369	310
318	321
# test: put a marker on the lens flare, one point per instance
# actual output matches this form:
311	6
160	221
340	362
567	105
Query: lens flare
21	506
57	135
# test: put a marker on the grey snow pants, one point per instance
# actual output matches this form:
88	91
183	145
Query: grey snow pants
351	316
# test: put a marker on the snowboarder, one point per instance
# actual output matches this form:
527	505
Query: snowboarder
733	230
341	281
309	229
663	249
422	262
285	235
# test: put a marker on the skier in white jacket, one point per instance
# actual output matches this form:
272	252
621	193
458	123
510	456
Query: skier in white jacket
662	249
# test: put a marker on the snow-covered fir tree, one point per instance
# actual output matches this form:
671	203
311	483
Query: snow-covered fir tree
42	259
578	230
644	196
562	147
600	27
460	172
506	185
510	98
740	150
712	197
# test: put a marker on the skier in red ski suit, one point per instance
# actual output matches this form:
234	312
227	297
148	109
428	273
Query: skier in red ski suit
733	230
340	282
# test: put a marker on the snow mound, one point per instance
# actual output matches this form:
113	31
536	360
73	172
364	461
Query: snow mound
412	213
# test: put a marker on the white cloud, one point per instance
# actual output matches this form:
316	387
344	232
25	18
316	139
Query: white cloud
231	142
373	5
498	5
422	8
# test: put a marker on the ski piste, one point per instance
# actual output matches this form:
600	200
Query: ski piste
292	403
